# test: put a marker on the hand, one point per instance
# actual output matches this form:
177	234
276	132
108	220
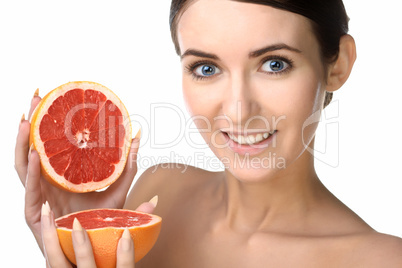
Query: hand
82	245
38	190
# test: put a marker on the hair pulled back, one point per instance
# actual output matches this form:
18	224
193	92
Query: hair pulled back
329	20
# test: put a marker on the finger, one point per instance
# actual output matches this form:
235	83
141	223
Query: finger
82	247
22	144
21	149
55	257
33	192
33	197
125	251
148	207
120	188
34	102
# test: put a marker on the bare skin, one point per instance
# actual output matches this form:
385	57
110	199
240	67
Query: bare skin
256	217
199	229
251	215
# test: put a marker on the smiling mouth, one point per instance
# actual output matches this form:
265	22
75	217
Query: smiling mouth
250	139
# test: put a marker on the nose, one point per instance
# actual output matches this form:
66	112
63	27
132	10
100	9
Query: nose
240	104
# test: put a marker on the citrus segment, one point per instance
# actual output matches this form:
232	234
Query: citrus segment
82	133
102	218
105	227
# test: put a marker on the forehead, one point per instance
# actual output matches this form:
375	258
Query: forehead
213	24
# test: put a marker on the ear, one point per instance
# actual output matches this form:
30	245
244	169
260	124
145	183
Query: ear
340	70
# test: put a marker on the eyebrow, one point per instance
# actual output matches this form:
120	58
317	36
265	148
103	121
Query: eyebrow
271	48
253	54
199	53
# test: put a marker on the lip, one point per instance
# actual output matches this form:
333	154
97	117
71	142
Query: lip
252	149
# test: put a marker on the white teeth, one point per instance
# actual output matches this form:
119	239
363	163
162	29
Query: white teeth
258	138
250	139
247	139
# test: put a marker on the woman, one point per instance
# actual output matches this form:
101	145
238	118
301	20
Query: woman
254	72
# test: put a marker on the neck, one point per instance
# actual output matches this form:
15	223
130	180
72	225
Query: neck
276	202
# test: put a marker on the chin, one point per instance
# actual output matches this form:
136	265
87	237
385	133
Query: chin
247	168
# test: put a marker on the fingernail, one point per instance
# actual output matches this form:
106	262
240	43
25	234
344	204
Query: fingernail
78	232
31	148
22	120
36	94
154	200
138	135
135	142
126	240
45	210
45	218
47	206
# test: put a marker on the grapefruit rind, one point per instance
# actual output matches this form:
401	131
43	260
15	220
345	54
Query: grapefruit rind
34	138
105	240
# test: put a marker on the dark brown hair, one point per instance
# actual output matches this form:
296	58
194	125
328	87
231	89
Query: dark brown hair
329	20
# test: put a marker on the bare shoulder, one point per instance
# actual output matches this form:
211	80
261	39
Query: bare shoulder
380	250
168	181
388	247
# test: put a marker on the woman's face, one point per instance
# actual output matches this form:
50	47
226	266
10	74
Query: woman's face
252	76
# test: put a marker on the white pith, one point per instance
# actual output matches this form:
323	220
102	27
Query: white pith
39	145
250	139
82	138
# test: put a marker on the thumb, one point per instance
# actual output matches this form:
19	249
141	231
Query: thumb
131	164
148	207
132	155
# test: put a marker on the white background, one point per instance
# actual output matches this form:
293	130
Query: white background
126	46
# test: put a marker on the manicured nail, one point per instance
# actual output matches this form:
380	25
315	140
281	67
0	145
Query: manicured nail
45	209
138	135
154	200
31	148
22	120
45	218
78	232
126	240
47	206
135	142
36	94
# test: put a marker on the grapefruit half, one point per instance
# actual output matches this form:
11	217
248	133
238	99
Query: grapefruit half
105	227
82	132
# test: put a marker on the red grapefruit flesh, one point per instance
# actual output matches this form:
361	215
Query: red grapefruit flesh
82	133
105	227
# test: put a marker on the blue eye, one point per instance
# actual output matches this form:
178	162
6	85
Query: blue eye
274	66
206	70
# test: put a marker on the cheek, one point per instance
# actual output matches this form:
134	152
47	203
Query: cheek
194	97
202	105
296	104
307	99
203	98
296	96
306	120
306	111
